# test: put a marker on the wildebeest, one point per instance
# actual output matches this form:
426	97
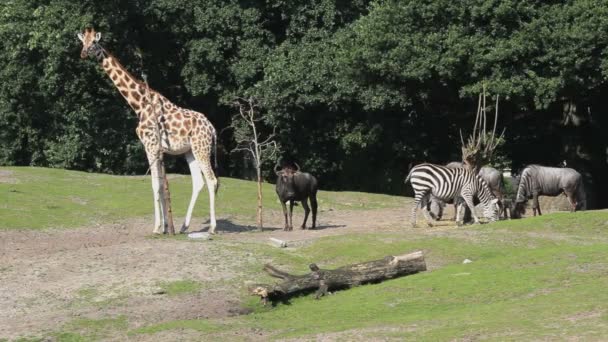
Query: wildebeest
536	180
492	177
447	183
294	185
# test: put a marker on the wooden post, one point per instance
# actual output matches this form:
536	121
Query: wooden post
259	211
170	225
167	199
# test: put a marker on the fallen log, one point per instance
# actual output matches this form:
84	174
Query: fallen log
340	278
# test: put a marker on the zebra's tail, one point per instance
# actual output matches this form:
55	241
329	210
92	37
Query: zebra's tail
409	175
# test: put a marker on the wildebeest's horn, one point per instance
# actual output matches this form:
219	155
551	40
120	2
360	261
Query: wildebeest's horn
277	168
298	166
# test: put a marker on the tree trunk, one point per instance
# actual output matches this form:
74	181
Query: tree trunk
260	222
167	198
170	226
343	277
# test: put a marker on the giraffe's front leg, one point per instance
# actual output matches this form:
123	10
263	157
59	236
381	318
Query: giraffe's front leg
156	190
197	186
158	210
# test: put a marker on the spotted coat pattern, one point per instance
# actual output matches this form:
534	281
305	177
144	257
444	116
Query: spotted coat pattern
163	128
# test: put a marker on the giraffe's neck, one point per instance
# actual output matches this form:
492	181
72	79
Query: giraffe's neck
132	89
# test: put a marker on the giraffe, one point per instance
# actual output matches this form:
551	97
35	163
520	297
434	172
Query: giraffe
182	131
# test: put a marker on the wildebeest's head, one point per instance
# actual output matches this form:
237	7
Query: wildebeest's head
519	209
286	185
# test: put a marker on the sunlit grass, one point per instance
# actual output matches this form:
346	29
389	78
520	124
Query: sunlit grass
45	198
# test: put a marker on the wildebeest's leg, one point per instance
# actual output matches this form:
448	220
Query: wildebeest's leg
507	213
535	204
571	199
313	204
291	214
285	214
306	212
455	210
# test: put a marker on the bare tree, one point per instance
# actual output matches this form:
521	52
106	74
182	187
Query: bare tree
246	125
480	146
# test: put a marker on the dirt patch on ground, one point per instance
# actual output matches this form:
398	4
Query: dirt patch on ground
55	276
7	177
51	277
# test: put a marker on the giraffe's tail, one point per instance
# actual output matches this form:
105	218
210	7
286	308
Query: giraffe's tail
215	149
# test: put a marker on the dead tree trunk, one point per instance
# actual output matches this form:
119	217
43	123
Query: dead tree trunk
248	139
479	148
259	211
340	278
167	198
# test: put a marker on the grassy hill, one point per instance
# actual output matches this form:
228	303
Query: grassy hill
45	198
541	278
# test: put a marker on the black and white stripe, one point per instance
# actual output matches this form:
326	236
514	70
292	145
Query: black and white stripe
448	183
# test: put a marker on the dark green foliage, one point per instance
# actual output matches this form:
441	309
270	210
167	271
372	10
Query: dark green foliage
357	90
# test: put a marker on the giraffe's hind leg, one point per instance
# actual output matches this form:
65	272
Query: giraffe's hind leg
201	148
197	186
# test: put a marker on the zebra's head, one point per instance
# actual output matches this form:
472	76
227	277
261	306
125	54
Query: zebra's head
492	210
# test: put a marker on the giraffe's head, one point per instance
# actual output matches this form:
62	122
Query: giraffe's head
90	46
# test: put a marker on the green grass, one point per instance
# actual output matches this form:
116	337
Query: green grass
44	198
203	326
86	329
174	288
540	278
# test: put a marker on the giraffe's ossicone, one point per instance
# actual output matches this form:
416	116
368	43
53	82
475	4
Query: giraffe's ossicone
163	128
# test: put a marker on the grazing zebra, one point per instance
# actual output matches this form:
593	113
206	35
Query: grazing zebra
446	184
489	174
539	180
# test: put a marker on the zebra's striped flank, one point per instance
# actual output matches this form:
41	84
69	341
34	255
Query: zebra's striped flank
448	183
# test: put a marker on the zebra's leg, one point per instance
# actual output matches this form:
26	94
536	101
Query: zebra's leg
418	197
425	211
459	212
413	215
469	201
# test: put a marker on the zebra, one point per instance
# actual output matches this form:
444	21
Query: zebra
446	184
489	174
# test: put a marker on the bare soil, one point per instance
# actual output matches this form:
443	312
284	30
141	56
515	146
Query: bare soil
52	277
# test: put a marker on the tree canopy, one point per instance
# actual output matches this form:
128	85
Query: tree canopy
352	87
